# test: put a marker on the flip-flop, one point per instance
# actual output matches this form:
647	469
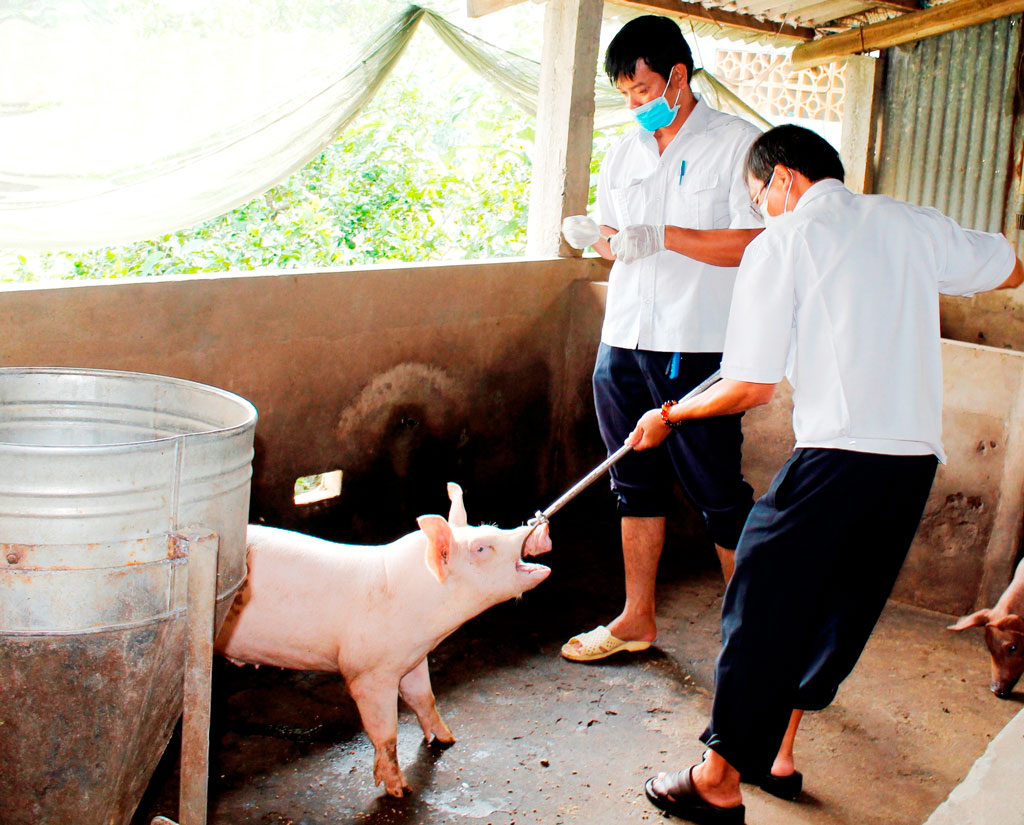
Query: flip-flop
784	787
684	801
598	644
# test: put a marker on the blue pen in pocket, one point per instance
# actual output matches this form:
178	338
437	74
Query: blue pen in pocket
673	366
682	171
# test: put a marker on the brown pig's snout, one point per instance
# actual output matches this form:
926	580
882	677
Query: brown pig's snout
1003	688
1000	691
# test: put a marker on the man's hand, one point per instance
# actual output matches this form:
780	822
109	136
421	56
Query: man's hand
638	241
580	231
649	432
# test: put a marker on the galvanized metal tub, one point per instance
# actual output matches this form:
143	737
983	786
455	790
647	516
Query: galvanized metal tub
99	472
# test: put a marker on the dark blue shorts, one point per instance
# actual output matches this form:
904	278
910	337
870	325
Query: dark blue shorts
703	455
816	562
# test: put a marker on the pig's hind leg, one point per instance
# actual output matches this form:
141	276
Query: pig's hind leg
416	691
377	700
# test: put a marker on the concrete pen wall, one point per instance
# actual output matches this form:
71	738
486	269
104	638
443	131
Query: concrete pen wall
405	377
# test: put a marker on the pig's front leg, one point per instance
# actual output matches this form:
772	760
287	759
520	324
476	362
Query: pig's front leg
377	700
416	691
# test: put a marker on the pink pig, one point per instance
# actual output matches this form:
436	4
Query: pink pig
1004	634
373	613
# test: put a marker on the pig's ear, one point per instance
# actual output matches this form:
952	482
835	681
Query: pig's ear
439	545
1011	622
457	514
979	619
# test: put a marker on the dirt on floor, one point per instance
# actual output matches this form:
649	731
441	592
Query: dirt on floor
544	740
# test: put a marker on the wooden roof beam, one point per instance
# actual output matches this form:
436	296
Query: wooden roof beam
478	8
899	5
906	28
726	19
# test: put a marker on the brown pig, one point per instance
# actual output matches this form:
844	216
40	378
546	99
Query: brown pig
373	613
1004	634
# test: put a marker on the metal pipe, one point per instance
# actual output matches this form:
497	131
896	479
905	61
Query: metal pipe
540	517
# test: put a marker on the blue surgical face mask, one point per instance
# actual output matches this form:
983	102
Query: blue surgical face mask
657	114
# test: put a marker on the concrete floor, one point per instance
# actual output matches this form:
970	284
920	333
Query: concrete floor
542	740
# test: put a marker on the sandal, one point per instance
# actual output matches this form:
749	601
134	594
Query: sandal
598	643
784	787
682	800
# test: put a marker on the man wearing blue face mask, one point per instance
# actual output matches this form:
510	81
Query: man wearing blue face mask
672	197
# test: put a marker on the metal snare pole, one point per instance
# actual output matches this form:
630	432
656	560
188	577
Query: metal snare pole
581	485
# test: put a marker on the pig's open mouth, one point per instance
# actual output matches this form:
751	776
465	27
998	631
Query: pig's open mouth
524	566
537	541
531	572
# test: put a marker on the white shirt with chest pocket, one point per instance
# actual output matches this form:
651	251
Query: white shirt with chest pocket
842	297
668	302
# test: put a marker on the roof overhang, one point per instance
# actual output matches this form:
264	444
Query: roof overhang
821	31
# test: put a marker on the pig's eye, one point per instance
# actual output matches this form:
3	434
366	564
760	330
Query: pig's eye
1011	649
483	549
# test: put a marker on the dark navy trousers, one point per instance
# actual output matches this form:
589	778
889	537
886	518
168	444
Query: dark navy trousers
817	559
704	455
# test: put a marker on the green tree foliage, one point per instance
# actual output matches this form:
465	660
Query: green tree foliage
405	182
436	169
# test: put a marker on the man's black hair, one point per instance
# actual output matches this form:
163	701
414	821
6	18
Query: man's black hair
658	41
795	148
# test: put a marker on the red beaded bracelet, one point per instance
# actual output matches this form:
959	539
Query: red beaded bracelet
668	405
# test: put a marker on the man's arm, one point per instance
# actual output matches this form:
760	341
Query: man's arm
1016	277
601	247
719	247
724	398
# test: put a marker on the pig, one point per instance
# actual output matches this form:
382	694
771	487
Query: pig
1004	634
373	613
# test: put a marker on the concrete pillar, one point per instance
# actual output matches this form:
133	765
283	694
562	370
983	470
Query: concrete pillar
565	122
861	105
1008	523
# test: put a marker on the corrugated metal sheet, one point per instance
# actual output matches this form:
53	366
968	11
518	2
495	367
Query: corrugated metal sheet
819	14
826	16
948	129
812	18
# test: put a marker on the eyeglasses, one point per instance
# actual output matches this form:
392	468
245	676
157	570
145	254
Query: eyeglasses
755	202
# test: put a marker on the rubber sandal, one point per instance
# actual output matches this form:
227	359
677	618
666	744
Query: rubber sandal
784	787
598	643
684	801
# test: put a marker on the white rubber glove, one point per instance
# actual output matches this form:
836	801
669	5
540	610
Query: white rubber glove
580	231
638	241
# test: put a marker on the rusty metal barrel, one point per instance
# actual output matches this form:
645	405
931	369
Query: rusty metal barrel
100	474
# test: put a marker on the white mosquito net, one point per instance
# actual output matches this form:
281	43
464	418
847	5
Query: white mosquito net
121	121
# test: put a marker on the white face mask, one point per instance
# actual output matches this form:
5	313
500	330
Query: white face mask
768	219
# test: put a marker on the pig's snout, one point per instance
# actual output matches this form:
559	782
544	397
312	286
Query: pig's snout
537	541
1003	688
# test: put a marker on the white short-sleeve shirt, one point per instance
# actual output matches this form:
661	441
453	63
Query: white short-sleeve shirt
668	302
842	297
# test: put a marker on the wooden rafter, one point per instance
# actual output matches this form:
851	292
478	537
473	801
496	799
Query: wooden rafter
899	5
906	28
692	11
726	19
478	8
